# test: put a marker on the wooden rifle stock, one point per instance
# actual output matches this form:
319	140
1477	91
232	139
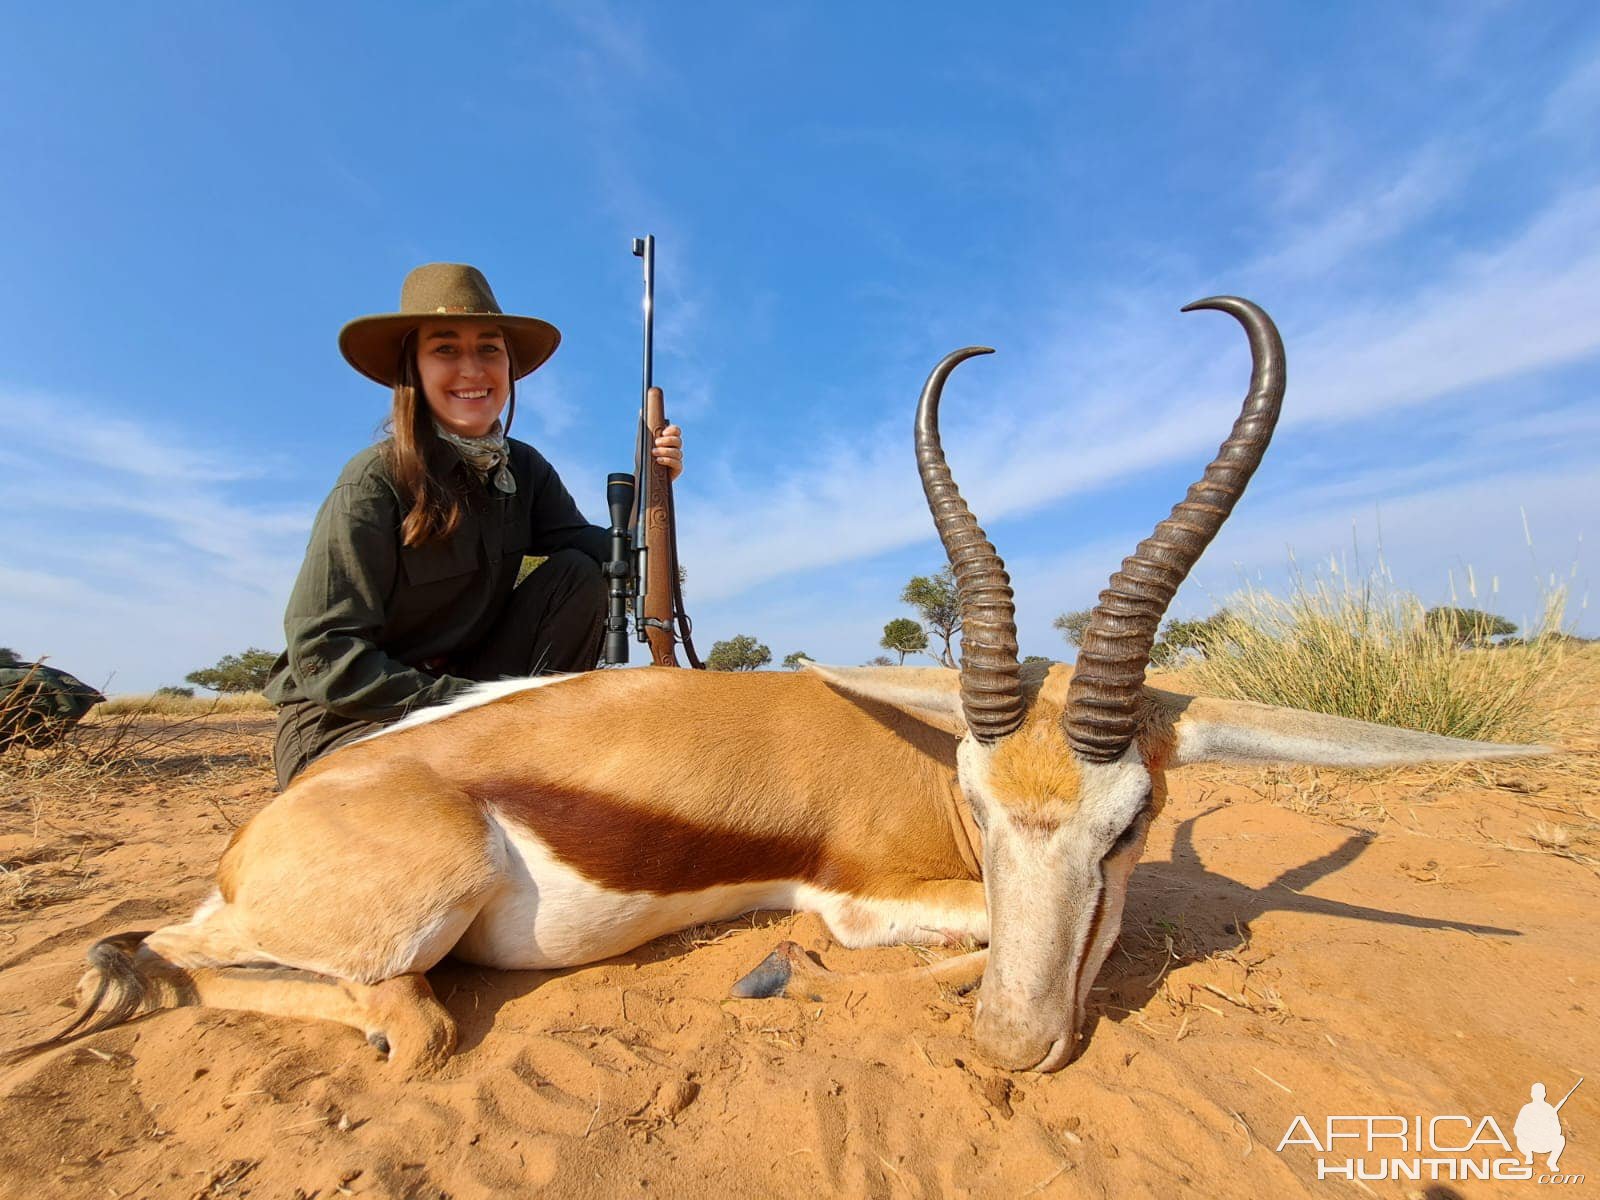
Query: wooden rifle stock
661	552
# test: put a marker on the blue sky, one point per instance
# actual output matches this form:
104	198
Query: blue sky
198	196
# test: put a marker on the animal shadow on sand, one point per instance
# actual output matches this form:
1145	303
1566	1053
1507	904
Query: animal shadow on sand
1216	913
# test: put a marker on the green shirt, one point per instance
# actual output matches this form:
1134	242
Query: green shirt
366	611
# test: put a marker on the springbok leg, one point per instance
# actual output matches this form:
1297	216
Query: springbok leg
940	912
400	1016
789	971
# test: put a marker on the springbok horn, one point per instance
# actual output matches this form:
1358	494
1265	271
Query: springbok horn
1101	701
991	693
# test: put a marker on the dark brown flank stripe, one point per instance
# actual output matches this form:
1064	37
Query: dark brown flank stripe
629	849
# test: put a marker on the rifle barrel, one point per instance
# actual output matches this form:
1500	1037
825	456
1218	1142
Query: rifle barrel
1568	1096
644	248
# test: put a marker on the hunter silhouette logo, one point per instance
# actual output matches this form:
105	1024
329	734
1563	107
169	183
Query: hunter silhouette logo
1454	1146
1538	1127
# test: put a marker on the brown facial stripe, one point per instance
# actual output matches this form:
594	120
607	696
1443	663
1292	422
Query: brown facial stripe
629	849
1042	823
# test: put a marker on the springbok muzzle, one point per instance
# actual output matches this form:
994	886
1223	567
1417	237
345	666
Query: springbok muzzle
1018	1035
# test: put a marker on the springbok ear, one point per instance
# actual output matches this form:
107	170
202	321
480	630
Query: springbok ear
930	694
1238	731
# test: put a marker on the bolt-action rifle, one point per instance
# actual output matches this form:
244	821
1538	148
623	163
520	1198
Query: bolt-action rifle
643	571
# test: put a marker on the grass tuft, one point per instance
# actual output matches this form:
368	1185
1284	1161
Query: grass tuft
1365	650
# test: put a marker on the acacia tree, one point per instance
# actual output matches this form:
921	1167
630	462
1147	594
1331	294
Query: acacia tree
246	671
934	596
880	660
1073	625
1202	636
904	636
791	662
1468	626
739	653
1205	636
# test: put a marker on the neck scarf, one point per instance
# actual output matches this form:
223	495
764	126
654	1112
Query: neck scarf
487	455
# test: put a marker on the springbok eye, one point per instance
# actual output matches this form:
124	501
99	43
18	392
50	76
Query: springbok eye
979	816
1131	834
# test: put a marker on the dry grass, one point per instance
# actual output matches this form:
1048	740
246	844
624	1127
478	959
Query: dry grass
63	806
1533	806
115	744
1363	650
184	706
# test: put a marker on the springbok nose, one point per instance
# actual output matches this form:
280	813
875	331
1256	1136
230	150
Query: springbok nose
1019	1041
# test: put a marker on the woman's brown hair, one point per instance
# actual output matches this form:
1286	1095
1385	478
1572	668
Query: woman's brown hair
425	471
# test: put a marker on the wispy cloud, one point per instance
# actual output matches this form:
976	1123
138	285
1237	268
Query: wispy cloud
1574	105
114	526
1349	220
105	441
1526	305
1422	534
547	407
622	86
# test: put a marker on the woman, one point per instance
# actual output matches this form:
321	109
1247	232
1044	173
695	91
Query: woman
408	592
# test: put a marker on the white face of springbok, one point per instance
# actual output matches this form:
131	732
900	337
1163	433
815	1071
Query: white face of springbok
1061	835
1064	767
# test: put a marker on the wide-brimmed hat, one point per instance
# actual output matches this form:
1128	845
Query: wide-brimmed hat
372	344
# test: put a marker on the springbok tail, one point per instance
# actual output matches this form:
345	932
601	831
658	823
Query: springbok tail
120	991
205	962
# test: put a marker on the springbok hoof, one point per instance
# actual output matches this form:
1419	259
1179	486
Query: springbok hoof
771	977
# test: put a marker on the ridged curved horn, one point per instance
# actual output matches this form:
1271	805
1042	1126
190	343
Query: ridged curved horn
991	692
1101	701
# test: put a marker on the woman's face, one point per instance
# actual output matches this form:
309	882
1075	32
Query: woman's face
465	373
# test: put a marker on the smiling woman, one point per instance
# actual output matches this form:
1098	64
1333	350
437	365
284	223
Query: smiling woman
466	375
408	593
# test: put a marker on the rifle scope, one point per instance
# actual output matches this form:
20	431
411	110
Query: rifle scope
619	568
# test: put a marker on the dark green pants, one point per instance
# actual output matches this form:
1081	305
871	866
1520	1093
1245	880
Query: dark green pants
552	623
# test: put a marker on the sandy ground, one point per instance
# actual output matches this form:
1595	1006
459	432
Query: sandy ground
1297	943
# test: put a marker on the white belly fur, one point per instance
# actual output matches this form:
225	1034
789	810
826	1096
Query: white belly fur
547	915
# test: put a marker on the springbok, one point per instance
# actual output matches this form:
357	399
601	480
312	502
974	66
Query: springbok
554	821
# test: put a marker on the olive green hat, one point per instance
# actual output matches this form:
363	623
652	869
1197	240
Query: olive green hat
372	344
